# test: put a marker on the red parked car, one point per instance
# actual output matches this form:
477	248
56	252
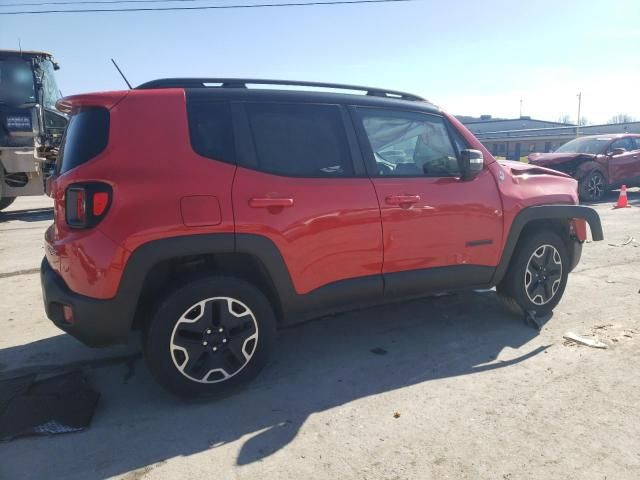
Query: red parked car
207	214
598	162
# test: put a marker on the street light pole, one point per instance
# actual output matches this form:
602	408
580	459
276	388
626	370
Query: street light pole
520	108
578	122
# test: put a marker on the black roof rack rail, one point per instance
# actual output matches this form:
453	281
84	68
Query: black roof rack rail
242	83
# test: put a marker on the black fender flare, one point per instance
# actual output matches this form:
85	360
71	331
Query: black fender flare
266	254
544	212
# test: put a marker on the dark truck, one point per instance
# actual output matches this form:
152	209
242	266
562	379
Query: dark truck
31	127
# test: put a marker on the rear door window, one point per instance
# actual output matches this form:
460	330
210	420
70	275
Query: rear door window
86	136
299	140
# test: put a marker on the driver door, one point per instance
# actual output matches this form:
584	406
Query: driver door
443	230
624	167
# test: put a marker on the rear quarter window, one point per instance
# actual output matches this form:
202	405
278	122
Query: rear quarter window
211	130
86	137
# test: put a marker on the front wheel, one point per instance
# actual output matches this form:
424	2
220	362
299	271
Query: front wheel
537	274
210	336
592	187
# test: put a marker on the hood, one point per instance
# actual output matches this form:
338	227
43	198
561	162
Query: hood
546	159
521	168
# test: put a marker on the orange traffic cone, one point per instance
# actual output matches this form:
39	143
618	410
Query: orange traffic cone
622	199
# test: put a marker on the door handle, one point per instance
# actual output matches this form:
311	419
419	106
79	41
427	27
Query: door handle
267	202
402	199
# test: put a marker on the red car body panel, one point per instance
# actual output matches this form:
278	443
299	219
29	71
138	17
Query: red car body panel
331	231
526	185
326	229
146	201
625	167
440	228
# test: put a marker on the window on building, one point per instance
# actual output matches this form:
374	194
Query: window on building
532	147
501	149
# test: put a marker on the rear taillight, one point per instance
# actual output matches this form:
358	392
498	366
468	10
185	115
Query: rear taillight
86	204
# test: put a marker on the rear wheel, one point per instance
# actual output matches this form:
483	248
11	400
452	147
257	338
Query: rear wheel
6	201
537	275
210	336
592	187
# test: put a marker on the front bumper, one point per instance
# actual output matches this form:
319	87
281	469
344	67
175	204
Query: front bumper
95	322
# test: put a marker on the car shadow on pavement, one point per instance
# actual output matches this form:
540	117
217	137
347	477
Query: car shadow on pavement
30	215
318	366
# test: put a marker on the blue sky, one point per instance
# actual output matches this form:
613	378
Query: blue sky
469	57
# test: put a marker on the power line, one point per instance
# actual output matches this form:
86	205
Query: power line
85	2
210	7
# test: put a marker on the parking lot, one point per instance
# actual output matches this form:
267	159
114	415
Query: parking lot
446	387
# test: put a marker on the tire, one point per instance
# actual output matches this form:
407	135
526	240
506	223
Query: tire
537	274
209	337
6	201
592	187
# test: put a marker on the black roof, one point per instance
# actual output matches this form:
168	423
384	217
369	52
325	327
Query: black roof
235	88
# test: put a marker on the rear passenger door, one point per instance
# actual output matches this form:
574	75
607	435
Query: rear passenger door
439	231
301	183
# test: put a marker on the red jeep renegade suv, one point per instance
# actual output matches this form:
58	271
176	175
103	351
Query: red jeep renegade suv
206	213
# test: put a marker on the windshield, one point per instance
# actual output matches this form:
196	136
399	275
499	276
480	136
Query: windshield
51	94
585	145
16	82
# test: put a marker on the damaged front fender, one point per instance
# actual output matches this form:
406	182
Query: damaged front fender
587	166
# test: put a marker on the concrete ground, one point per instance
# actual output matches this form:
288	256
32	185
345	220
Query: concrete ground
446	387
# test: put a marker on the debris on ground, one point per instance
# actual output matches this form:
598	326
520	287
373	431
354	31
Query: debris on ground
396	414
582	340
630	240
608	332
531	319
59	404
602	327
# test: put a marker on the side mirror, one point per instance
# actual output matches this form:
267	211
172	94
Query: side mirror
618	151
471	163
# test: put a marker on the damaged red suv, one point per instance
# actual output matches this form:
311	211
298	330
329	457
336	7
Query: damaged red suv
599	163
207	213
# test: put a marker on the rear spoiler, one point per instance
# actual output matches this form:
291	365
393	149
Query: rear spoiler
73	103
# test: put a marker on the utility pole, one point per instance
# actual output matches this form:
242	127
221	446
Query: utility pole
578	122
520	108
